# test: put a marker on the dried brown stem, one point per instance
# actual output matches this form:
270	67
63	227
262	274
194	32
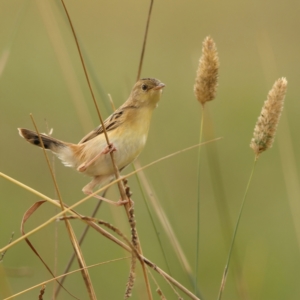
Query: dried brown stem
116	170
135	242
4	252
145	40
81	239
130	248
24	186
73	239
42	292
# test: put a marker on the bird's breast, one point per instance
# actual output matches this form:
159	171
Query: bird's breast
129	141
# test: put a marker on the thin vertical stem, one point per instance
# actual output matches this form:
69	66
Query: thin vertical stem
152	220
81	239
198	203
116	170
144	42
235	233
76	247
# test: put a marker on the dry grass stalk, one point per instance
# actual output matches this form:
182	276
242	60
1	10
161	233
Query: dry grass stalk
134	250
92	221
116	169
135	243
70	209
131	278
76	247
134	240
160	293
42	292
205	87
2	254
266	125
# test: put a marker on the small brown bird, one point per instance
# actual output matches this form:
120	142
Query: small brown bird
127	129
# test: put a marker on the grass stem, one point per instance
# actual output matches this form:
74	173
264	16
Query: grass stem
198	202
235	233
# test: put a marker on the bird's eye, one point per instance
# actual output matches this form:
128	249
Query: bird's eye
144	87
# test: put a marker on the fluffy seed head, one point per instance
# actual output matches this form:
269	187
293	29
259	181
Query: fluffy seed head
206	82
266	125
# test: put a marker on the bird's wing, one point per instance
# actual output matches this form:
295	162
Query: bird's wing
112	122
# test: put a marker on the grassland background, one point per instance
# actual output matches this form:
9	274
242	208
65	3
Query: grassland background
258	42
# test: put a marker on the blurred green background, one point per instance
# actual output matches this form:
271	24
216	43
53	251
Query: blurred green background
40	73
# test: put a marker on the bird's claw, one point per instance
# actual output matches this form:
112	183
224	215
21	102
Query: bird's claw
109	149
81	168
121	202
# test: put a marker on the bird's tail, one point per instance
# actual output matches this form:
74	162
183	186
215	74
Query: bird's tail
49	142
62	149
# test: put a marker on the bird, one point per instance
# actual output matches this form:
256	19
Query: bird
127	130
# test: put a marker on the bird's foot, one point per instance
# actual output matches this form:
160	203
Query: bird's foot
118	203
108	149
82	167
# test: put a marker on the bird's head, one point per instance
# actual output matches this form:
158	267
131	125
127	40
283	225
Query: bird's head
147	91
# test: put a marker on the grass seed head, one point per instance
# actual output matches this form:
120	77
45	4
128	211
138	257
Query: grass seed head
266	125
206	82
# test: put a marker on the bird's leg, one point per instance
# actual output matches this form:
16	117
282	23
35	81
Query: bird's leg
88	190
118	203
108	149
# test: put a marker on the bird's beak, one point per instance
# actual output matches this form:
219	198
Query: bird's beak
160	86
